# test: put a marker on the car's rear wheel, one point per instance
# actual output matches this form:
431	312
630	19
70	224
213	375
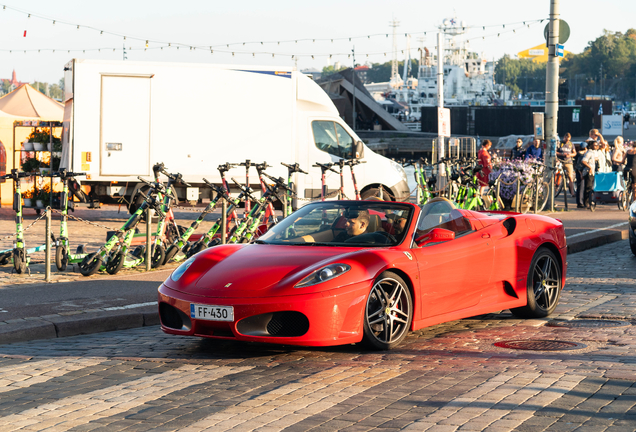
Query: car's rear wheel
388	313
543	286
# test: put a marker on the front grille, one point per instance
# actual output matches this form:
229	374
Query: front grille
278	324
288	324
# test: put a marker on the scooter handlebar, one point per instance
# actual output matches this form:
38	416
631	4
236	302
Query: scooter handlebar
294	168
328	166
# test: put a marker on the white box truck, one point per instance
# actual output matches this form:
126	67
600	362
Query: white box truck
122	117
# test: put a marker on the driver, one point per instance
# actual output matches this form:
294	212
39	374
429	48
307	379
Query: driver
356	224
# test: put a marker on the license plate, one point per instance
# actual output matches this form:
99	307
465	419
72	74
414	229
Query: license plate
212	313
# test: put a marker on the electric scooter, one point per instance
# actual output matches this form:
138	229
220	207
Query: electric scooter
62	255
352	163
291	170
19	254
323	169
110	256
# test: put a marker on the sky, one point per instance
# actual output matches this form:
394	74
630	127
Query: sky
285	28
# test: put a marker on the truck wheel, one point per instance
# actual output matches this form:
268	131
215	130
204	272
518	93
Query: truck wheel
374	194
91	264
61	258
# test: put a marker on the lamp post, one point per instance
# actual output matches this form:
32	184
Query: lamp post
551	92
353	74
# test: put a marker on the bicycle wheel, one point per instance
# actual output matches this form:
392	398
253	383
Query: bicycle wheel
527	200
91	264
622	201
544	196
559	182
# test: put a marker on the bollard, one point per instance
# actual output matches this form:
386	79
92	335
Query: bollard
148	236
565	191
536	194
223	221
517	203
47	243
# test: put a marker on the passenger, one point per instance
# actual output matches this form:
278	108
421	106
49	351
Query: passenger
356	224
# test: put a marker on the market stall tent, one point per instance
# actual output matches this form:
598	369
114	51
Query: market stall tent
23	103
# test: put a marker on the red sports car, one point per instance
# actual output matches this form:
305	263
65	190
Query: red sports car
340	272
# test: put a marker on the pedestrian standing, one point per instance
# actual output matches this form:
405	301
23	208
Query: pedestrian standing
578	167
626	118
565	154
587	173
517	152
604	158
535	151
484	159
618	155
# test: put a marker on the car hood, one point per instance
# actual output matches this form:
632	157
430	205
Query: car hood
258	270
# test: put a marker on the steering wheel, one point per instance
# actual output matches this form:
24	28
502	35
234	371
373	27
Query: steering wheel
387	235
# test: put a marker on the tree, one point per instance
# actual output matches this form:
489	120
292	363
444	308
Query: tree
520	75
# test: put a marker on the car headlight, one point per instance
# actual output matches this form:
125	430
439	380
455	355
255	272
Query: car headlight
176	275
323	274
397	167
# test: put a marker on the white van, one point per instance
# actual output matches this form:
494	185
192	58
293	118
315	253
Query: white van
123	117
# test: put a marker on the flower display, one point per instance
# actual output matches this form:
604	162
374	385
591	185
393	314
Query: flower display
510	170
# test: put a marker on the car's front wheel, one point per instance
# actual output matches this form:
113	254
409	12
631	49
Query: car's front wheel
543	286
388	313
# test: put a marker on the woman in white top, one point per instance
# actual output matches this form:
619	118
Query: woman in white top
604	158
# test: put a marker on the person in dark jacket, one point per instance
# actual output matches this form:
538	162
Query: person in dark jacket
518	152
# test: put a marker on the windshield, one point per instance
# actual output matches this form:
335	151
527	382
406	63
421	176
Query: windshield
337	223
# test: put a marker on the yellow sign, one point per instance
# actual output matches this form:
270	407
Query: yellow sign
538	54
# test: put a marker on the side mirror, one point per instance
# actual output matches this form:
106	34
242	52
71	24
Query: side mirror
359	150
435	235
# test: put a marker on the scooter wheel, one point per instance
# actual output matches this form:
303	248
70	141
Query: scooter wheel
195	249
157	256
116	263
91	264
19	261
170	253
5	257
61	258
214	242
139	252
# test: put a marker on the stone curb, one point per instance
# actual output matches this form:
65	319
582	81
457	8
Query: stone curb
590	243
54	326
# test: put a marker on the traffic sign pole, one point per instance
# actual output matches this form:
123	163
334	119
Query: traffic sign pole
552	92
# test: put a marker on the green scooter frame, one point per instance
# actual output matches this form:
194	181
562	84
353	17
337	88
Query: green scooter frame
208	239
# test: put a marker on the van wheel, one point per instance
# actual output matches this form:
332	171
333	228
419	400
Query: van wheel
374	194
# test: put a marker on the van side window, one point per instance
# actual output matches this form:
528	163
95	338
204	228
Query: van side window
332	138
345	142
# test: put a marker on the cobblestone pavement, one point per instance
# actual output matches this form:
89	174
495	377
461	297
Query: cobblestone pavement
448	377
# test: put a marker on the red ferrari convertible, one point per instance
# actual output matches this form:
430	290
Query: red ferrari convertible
340	272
